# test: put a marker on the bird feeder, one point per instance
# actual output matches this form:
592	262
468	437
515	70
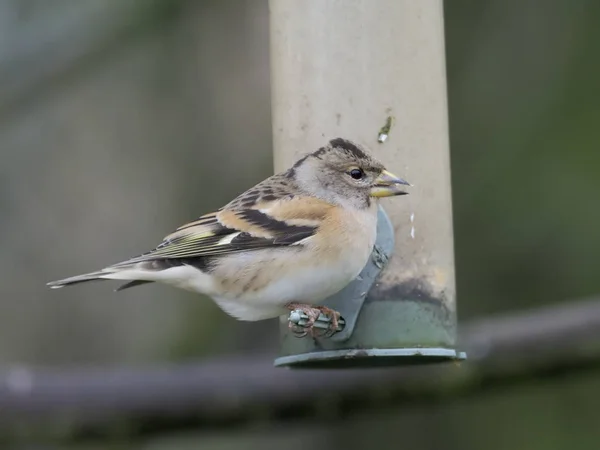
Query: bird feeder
374	72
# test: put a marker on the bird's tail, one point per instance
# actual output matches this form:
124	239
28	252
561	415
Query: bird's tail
128	273
92	276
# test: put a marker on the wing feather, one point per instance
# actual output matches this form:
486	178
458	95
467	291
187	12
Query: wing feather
231	231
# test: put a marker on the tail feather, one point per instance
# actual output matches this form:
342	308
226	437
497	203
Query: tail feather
135	275
93	276
131	284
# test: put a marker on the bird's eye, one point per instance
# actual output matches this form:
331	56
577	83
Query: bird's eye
357	174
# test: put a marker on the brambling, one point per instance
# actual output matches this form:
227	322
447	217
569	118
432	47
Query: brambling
287	243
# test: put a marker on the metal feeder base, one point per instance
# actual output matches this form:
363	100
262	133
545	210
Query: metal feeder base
374	357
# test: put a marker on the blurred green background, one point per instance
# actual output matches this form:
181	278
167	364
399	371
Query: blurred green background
119	120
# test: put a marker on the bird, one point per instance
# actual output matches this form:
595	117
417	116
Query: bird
286	244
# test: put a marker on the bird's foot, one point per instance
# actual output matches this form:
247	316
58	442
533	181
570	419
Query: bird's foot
334	318
313	313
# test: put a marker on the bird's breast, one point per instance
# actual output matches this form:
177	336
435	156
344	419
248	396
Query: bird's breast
257	284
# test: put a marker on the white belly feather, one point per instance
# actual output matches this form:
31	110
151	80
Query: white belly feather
304	284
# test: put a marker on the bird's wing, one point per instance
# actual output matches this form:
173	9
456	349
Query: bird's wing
280	222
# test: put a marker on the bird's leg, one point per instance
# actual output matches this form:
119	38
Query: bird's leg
312	314
334	317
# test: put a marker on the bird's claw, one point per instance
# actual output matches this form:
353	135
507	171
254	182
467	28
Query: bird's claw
334	318
313	313
298	331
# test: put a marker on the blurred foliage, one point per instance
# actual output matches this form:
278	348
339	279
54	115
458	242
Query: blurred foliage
146	128
525	157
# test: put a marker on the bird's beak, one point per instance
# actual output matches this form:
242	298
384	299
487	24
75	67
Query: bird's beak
388	184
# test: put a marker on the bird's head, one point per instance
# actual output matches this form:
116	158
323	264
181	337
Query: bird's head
343	172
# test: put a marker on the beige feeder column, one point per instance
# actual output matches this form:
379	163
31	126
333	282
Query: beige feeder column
342	68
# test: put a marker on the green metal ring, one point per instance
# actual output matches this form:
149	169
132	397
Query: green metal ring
373	357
